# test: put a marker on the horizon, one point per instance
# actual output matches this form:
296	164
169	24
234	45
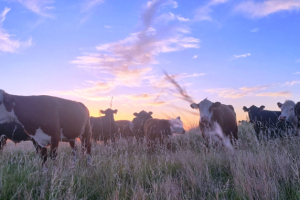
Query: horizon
241	53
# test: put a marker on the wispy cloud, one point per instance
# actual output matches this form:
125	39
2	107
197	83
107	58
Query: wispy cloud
242	56
298	60
106	26
258	9
7	44
292	83
40	7
203	13
275	94
254	30
129	61
195	56
296	73
240	92
89	4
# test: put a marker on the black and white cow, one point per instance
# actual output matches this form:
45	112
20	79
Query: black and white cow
214	116
266	121
48	120
290	113
15	132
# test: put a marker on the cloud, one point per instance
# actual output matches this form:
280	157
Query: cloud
275	94
238	93
296	73
195	56
7	44
129	60
242	56
298	60
39	7
162	81
292	83
106	26
3	14
254	30
261	9
203	13
89	4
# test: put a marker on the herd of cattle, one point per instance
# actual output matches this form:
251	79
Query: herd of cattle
47	120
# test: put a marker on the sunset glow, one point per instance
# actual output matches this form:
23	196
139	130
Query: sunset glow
113	53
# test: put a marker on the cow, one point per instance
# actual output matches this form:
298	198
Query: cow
138	124
15	133
104	128
162	130
217	116
48	120
290	113
266	121
124	128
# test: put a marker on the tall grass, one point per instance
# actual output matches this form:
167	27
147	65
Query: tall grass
266	170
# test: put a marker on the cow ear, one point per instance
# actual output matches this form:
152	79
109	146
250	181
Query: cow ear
7	97
101	111
279	104
115	111
150	113
297	109
214	105
194	105
261	108
245	109
135	114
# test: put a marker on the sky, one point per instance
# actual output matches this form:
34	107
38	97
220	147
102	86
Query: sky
112	53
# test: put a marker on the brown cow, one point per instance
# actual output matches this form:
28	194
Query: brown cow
48	120
215	116
124	128
104	128
161	130
138	124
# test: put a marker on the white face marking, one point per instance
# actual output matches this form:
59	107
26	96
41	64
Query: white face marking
287	110
176	126
41	138
204	109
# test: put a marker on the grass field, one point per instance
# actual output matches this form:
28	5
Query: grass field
266	170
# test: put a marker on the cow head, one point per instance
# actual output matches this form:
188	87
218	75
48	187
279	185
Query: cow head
253	111
109	112
206	109
6	108
176	126
287	111
139	121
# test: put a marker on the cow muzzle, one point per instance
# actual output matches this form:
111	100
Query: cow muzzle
282	118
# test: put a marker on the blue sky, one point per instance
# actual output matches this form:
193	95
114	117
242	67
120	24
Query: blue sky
236	52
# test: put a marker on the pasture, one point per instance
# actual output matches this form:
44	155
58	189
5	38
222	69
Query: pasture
265	170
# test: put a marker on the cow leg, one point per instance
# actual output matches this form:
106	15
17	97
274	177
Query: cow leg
3	140
44	154
54	146
74	150
105	140
38	148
